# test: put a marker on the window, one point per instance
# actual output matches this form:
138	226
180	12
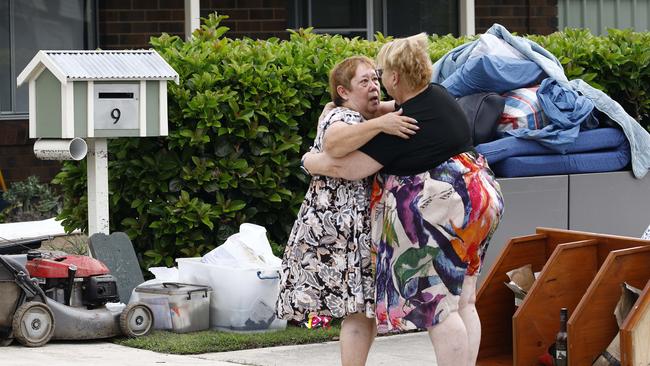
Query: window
365	17
405	18
346	17
27	26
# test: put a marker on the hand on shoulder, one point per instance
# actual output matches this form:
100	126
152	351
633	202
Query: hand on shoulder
394	123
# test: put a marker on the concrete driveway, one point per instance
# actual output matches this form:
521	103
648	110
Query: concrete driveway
412	349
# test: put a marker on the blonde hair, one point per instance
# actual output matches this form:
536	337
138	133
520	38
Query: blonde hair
410	58
342	74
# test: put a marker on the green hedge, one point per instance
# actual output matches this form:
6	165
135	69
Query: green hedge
244	113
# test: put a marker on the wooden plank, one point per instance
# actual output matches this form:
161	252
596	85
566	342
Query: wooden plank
592	326
635	332
607	242
561	283
495	302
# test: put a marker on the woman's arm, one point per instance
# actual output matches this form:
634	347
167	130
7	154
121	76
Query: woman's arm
353	166
385	107
340	138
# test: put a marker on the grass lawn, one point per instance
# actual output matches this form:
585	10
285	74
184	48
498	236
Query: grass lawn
215	341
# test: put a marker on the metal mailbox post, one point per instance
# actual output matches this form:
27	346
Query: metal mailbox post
95	95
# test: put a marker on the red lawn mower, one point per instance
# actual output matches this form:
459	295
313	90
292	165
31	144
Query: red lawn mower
67	297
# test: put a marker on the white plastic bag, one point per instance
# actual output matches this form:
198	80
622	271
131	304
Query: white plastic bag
254	236
163	274
249	248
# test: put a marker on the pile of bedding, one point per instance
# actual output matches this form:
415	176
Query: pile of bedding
528	119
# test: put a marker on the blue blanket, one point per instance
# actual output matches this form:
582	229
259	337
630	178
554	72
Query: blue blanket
492	74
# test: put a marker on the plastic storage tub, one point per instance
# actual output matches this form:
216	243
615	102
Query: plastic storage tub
176	306
243	299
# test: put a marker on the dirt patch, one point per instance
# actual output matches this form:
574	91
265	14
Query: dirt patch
69	244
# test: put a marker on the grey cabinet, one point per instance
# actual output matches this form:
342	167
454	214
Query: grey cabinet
608	203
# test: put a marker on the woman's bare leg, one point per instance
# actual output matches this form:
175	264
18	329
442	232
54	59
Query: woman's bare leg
449	339
467	311
357	334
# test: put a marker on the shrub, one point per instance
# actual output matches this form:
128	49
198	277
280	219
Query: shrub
29	200
244	113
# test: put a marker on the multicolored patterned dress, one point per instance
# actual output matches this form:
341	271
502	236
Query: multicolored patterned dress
429	231
327	268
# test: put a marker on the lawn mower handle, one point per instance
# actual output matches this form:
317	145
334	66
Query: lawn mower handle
22	279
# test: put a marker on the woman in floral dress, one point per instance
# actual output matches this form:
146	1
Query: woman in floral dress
326	268
434	207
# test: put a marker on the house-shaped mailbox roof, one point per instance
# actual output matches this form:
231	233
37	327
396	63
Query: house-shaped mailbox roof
100	66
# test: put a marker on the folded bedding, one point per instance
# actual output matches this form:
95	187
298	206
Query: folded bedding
598	150
590	140
588	162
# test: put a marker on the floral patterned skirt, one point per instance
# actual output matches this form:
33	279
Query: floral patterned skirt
327	266
429	231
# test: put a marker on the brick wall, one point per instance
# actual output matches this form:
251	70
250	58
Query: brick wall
258	19
17	159
131	23
523	17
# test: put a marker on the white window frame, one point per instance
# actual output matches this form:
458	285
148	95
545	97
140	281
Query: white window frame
467	18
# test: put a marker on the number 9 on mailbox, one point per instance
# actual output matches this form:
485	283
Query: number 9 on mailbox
116	106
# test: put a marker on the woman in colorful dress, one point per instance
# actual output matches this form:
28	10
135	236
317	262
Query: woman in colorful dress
326	268
434	206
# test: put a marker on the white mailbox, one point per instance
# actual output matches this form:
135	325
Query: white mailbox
97	93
